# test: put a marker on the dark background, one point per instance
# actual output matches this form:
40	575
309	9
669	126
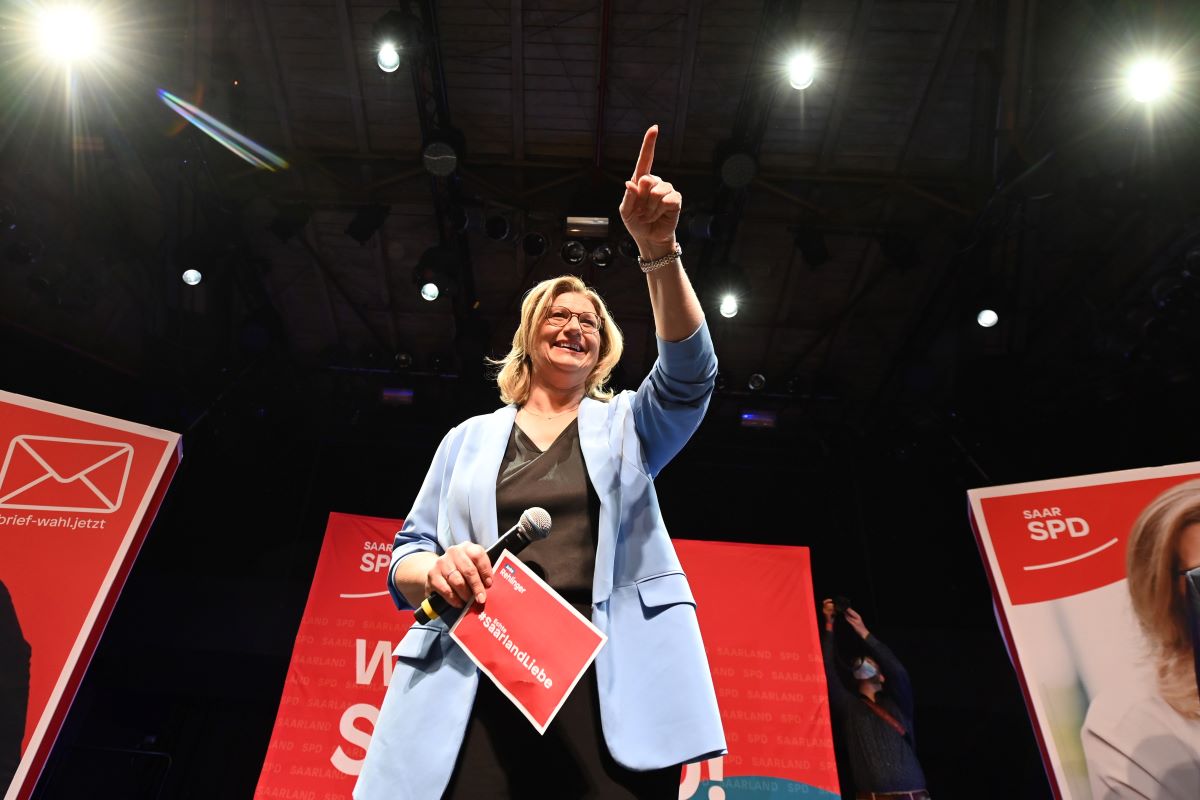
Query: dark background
950	153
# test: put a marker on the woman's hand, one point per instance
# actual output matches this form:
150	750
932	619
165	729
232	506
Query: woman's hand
856	622
650	207
460	575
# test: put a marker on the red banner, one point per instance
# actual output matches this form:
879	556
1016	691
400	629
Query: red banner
766	664
341	666
77	494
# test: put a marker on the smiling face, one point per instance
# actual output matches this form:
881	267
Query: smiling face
566	356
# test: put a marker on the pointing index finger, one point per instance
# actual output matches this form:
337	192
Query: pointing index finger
646	157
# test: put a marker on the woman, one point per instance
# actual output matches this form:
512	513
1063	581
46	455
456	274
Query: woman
1147	744
564	442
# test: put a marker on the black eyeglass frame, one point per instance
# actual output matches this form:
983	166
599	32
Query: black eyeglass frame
576	314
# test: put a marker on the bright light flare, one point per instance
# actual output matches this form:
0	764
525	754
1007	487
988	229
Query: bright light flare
430	292
68	33
802	69
242	146
388	57
1149	79
191	276
729	306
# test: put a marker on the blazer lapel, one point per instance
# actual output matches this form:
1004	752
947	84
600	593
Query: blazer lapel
601	462
484	469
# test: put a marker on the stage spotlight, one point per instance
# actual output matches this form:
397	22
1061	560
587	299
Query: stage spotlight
388	57
68	33
1148	80
390	34
729	306
757	381
442	152
802	68
534	244
573	252
602	255
436	272
987	318
738	170
497	228
191	276
366	221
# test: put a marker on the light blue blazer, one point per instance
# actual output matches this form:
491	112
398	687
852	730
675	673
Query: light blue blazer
657	704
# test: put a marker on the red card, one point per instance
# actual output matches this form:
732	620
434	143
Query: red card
532	644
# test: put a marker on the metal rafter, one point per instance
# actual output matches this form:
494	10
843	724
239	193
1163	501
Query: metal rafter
687	68
850	60
951	44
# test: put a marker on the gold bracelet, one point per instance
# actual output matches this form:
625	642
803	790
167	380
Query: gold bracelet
650	266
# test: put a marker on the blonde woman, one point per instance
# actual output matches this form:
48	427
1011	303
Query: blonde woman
1146	744
566	443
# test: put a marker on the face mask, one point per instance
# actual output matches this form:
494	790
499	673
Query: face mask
865	671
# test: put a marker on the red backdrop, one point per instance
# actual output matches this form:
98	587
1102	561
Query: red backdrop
766	664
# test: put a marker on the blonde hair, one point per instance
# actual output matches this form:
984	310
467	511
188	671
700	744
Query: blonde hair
1152	565
516	369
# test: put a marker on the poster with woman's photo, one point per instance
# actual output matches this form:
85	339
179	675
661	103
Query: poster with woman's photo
1089	575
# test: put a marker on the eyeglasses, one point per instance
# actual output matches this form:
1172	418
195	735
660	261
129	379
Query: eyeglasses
558	316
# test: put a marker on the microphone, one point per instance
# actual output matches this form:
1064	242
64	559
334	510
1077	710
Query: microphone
533	525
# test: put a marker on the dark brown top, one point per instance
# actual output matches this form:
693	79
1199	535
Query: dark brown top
556	480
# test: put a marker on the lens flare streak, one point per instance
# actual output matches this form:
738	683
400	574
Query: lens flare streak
241	146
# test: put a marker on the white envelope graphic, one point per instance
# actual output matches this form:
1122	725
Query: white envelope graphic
82	478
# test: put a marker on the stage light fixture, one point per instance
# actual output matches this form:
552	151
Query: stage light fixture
802	70
497	228
534	244
388	57
439	158
391	33
573	252
68	33
191	276
1149	79
602	255
738	170
758	419
757	382
587	227
436	272
729	306
987	318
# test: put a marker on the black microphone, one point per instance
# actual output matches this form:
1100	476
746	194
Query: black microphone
533	525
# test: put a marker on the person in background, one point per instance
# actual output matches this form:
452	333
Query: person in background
1139	741
875	720
589	457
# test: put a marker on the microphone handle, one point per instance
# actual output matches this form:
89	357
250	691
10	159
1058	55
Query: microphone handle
435	606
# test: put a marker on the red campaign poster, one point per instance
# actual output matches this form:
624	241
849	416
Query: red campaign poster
766	667
1065	559
529	641
78	492
340	668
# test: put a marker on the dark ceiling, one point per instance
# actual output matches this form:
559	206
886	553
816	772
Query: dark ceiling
950	154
